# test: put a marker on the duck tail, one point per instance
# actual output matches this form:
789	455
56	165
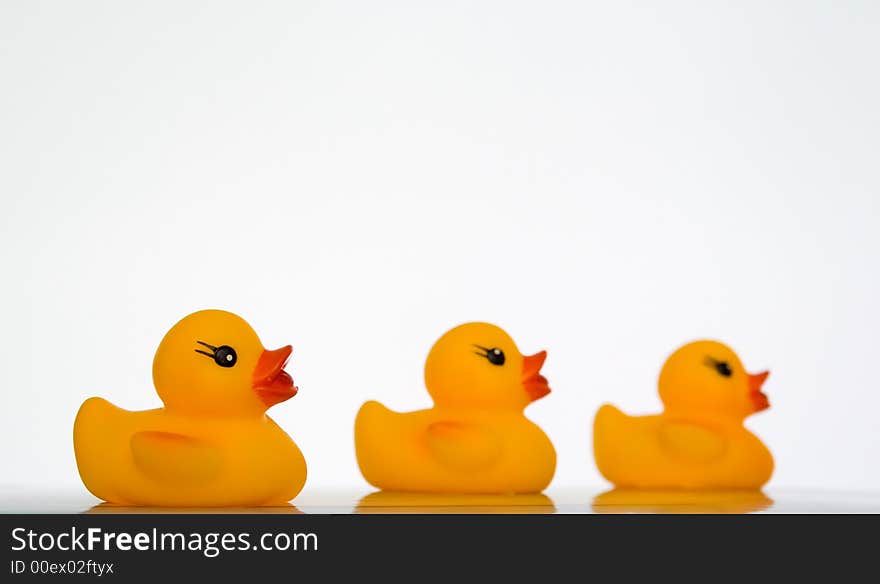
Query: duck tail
94	418
606	430
370	417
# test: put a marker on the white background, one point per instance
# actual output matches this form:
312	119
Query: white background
604	180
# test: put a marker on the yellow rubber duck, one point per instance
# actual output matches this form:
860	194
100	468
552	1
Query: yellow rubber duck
212	445
699	441
476	438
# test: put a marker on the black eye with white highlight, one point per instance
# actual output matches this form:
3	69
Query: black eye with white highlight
721	367
224	355
494	355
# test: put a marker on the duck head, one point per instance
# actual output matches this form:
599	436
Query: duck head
707	377
212	362
478	365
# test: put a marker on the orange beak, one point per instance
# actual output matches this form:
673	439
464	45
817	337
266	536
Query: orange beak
271	382
760	401
534	383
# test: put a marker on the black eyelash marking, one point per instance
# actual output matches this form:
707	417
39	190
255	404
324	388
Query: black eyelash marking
494	355
722	367
224	355
204	344
484	353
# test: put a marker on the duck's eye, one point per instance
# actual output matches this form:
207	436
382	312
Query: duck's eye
722	367
224	355
494	355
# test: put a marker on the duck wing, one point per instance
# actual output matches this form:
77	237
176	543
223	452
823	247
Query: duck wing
463	446
693	443
176	458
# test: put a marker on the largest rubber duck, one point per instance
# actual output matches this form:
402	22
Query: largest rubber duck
212	444
476	438
698	441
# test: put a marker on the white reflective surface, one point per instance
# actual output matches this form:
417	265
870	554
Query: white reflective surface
567	500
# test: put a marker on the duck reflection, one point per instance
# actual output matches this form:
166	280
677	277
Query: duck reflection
681	501
109	508
390	502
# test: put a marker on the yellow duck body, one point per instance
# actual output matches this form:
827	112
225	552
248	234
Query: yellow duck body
445	450
667	451
212	444
699	441
476	439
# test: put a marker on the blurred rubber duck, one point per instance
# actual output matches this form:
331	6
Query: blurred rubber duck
212	445
699	441
476	438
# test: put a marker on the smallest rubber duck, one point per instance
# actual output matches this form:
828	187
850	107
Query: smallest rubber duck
698	441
